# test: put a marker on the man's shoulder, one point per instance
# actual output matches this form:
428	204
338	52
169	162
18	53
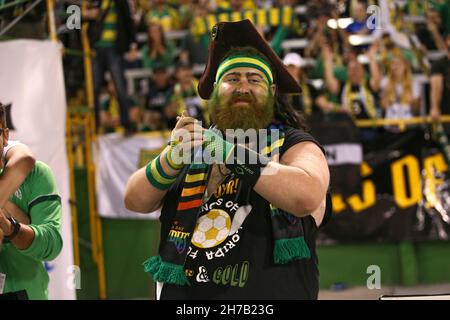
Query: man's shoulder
41	173
11	144
294	136
39	184
42	168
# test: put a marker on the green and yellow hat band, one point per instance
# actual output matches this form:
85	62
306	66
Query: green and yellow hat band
244	61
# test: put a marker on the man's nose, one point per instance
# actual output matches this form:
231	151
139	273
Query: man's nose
243	87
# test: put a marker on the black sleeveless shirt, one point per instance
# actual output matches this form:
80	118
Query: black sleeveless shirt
231	253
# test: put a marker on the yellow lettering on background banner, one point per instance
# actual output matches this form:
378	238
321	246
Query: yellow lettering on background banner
406	184
400	181
338	203
365	169
368	191
368	199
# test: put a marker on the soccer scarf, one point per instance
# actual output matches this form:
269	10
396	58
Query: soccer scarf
168	265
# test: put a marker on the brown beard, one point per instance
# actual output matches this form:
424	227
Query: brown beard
253	115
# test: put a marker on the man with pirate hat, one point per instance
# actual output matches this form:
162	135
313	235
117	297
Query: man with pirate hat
244	225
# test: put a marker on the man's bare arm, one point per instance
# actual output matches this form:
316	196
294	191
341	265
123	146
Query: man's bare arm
19	162
140	195
301	180
23	239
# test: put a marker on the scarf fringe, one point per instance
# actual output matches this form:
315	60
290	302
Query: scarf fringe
287	250
166	272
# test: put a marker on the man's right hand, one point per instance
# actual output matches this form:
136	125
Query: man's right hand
185	137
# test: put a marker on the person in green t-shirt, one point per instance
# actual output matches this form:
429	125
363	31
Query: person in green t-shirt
18	162
35	238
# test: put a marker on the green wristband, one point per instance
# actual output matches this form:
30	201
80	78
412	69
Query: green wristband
170	162
156	175
160	169
152	180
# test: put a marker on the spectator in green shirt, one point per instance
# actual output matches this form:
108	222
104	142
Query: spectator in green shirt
35	237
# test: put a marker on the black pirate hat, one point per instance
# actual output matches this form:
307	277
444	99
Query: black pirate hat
226	35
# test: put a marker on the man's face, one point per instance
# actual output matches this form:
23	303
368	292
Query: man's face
242	99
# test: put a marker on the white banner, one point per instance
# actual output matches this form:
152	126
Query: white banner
117	159
343	153
31	78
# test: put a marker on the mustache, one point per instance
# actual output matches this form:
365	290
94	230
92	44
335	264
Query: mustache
247	97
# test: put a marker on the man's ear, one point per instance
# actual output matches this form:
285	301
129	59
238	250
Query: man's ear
273	87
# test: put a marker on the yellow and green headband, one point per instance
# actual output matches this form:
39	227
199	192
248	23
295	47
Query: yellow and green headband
244	61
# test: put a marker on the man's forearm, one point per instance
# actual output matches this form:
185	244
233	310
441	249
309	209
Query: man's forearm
24	238
15	172
140	195
42	242
291	189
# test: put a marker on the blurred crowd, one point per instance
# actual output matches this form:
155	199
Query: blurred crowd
364	58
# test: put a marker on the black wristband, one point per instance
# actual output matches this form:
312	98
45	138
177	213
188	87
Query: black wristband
16	229
246	164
